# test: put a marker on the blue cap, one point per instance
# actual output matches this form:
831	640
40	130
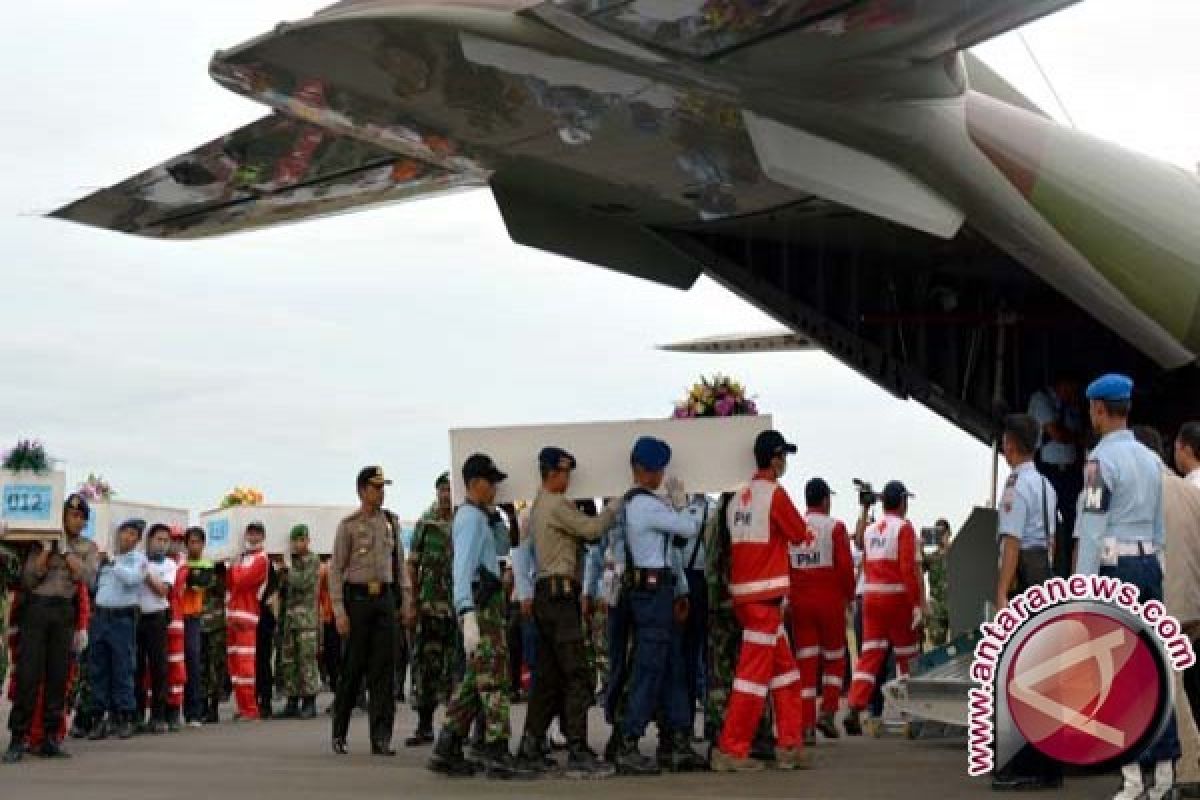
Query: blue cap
555	458
1111	387
650	453
894	493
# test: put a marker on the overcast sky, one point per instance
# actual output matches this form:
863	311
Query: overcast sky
287	359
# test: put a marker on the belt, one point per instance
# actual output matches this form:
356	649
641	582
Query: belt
124	611
372	590
558	585
1037	548
652	579
1138	548
49	600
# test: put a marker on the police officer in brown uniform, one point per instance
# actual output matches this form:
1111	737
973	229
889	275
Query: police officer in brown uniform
564	679
51	578
367	586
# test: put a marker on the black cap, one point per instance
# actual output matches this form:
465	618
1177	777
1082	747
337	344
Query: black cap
481	466
556	458
817	491
894	493
770	444
444	478
76	503
373	476
256	526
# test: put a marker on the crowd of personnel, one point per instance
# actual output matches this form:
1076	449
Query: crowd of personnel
656	605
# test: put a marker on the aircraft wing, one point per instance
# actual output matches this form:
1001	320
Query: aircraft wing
273	171
772	342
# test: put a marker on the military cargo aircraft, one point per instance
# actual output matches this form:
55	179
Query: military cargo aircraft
845	165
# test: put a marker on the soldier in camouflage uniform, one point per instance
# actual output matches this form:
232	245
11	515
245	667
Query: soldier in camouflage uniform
429	562
298	653
937	627
10	573
212	626
724	641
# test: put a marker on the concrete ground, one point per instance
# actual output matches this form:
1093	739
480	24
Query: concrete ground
291	760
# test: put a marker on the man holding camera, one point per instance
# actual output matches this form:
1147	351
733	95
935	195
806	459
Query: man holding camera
892	598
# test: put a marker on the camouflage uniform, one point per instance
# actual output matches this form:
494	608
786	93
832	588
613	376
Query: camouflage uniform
485	684
10	572
598	636
212	627
938	626
298	659
434	641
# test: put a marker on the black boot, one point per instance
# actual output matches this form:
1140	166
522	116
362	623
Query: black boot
15	751
582	763
124	724
448	756
292	709
100	728
500	764
80	725
52	748
264	708
630	761
683	758
308	707
530	755
613	747
424	732
173	723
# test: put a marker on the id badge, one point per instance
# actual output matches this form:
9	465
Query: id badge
1108	552
374	588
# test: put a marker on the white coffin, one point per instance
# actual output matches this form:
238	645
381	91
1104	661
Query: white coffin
105	517
707	454
31	503
224	527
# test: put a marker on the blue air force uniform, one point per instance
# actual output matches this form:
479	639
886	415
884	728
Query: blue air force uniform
1028	512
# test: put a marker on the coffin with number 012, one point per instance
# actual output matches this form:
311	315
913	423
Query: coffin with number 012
31	504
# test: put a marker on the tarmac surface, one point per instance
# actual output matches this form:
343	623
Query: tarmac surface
292	760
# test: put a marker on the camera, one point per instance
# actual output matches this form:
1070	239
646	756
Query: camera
867	496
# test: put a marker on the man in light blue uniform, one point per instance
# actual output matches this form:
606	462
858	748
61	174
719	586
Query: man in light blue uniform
654	578
620	622
1120	535
480	537
695	634
1027	514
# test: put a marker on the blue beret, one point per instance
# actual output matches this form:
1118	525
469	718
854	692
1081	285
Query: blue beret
650	453
1111	387
556	458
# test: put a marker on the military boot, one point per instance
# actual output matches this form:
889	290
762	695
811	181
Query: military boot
211	713
99	728
424	732
827	727
630	761
448	756
852	723
52	748
80	725
531	755
291	710
173	723
500	764
681	756
613	746
308	707
124	725
582	763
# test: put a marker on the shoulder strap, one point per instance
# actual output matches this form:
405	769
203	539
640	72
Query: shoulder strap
699	538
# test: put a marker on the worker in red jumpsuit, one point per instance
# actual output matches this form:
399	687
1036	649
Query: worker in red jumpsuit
245	581
762	524
176	666
822	587
892	599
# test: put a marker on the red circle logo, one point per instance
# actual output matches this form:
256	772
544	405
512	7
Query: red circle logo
1084	688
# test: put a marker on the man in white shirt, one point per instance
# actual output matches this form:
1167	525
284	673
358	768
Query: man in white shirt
1187	452
1062	424
154	602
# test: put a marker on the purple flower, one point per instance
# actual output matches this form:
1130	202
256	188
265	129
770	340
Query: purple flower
725	406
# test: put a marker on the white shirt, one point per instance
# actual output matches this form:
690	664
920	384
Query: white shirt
165	571
1193	477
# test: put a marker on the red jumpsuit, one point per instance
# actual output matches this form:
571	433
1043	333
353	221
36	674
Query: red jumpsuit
244	585
890	595
762	523
822	573
176	667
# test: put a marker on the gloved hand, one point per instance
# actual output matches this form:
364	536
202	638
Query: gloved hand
80	643
917	616
675	493
470	633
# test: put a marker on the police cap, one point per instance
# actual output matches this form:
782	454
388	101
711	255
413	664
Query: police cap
650	454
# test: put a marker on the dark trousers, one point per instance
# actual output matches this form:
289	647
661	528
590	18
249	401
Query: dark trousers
620	628
264	658
1145	573
516	655
331	654
47	628
370	652
695	634
1067	483
565	680
152	661
889	665
193	659
402	658
654	626
112	640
